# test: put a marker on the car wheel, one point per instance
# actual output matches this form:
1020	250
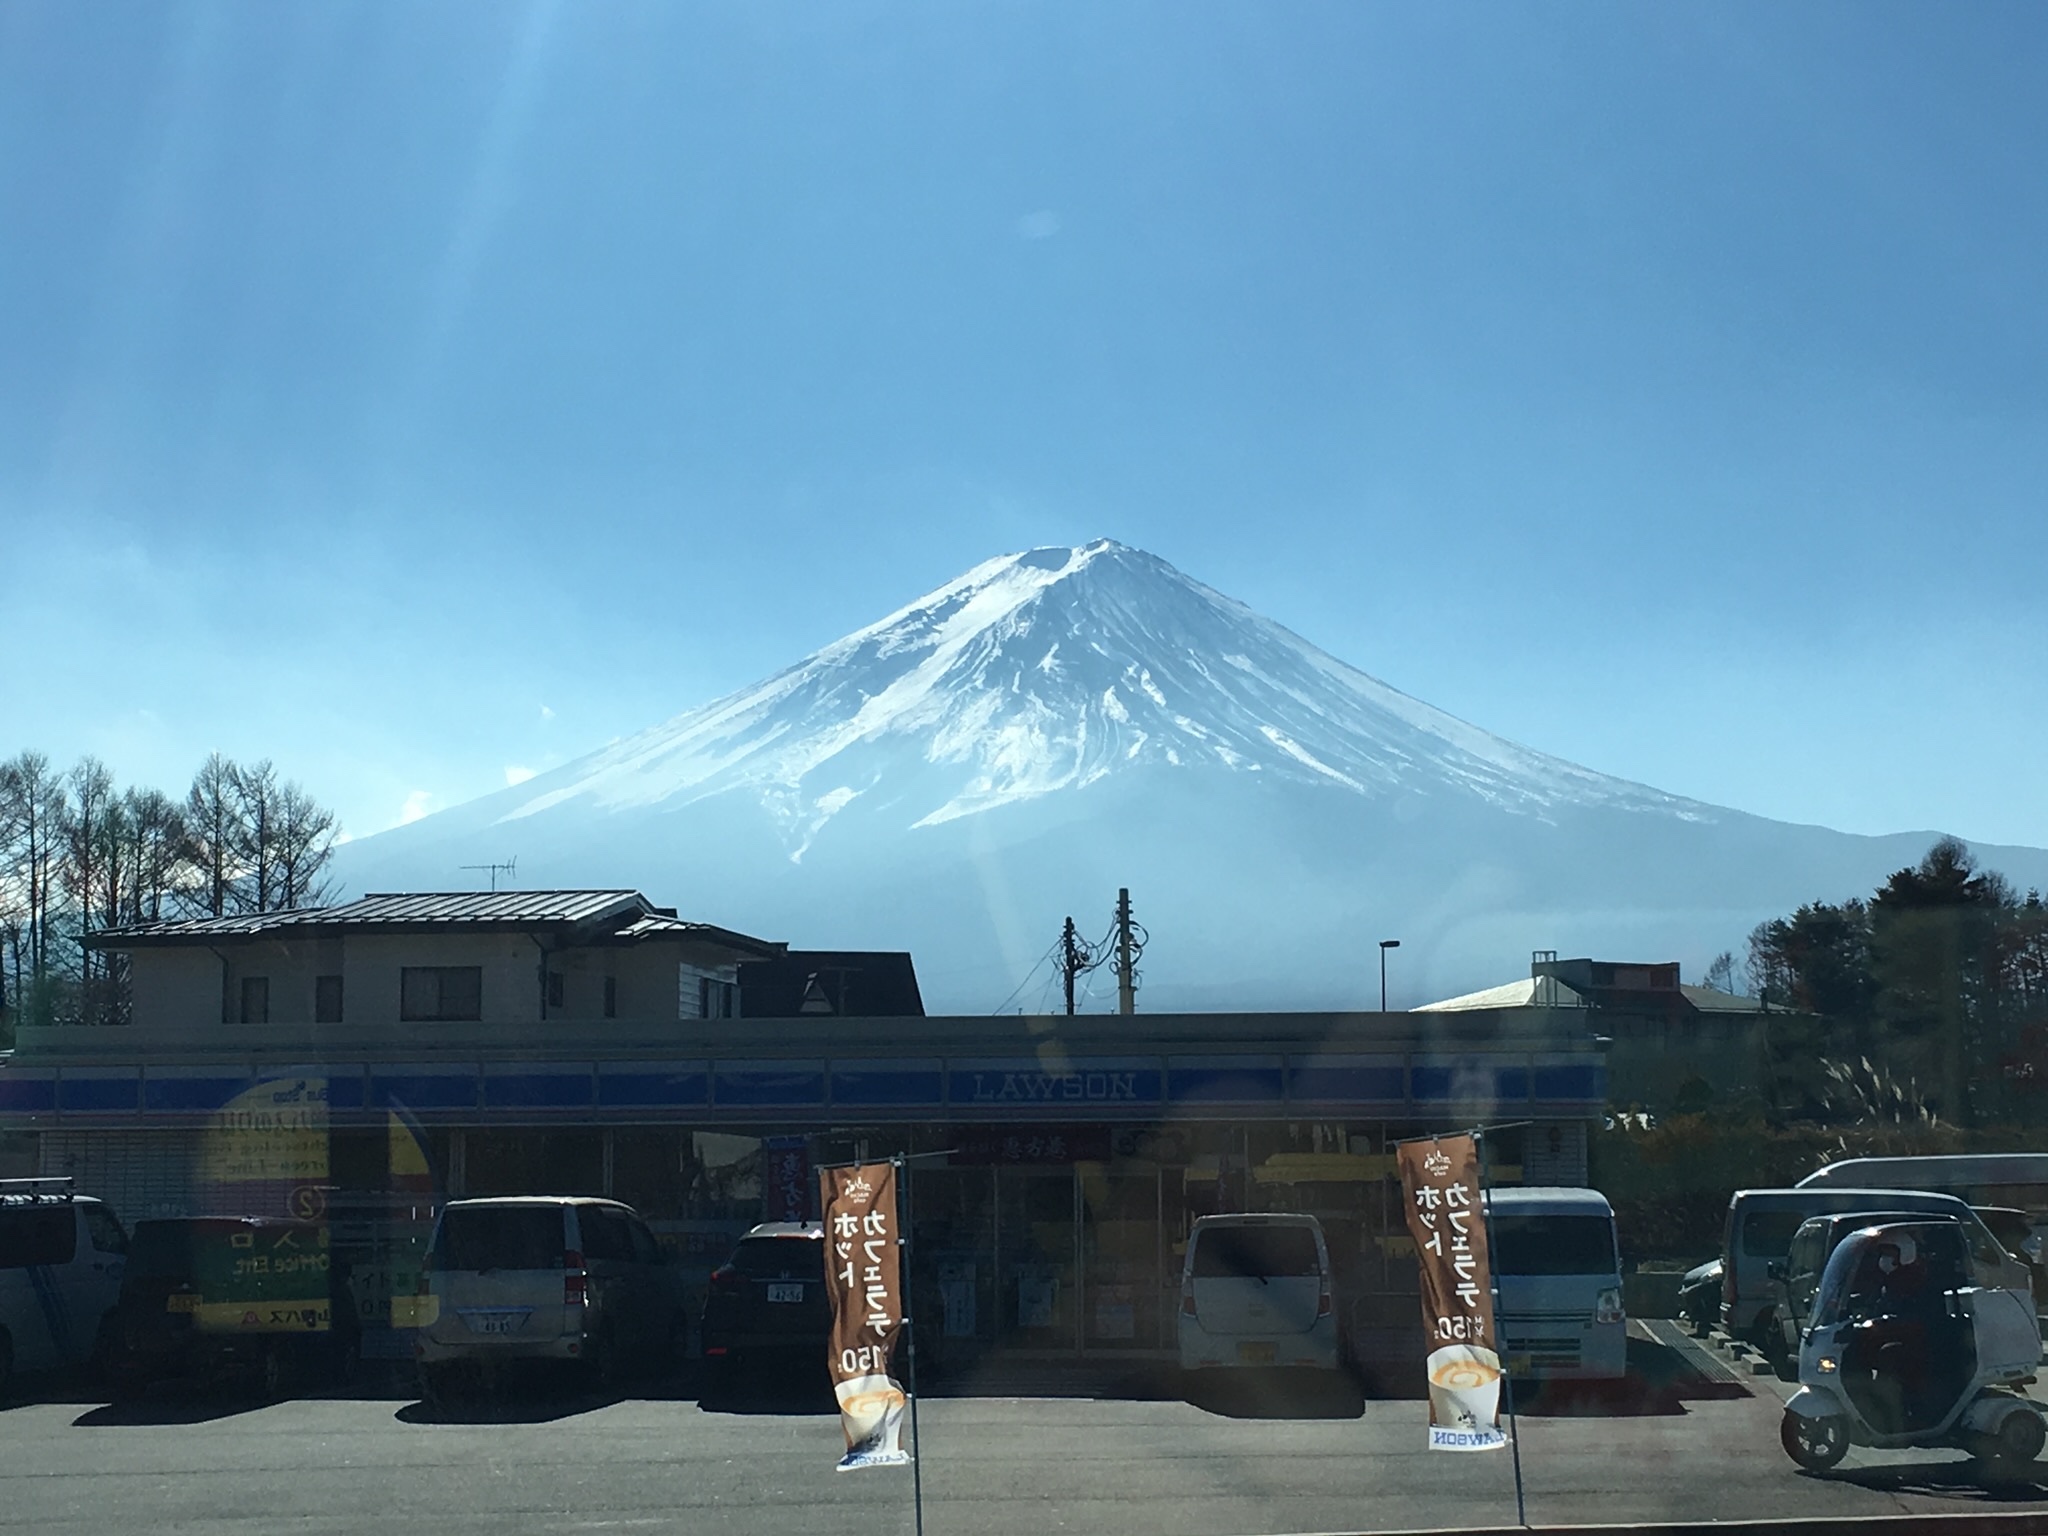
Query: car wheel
676	1350
437	1390
604	1362
1816	1444
721	1376
273	1374
2018	1441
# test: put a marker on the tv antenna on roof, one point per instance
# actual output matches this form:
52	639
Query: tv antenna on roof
510	867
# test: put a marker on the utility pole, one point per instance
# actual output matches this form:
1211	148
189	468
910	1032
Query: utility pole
1076	957
1126	976
1385	945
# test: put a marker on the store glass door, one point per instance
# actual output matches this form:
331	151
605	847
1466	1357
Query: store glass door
1036	1306
1121	1262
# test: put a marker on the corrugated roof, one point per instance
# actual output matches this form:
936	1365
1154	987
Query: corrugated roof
487	907
413	909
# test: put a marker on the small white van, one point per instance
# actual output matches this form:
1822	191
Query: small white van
61	1257
1557	1274
1256	1290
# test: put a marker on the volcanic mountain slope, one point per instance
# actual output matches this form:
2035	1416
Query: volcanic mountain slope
1013	746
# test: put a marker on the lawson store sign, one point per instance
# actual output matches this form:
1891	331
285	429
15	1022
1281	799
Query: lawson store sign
1130	1088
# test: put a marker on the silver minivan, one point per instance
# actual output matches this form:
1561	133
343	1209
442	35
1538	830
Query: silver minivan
546	1278
1257	1291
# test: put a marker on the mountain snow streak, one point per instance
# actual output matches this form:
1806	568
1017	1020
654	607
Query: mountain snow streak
1050	670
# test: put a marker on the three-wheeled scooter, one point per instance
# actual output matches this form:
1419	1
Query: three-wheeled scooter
1903	1350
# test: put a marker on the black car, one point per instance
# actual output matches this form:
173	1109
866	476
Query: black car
766	1309
253	1299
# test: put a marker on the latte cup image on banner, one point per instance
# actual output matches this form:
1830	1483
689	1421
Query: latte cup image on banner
1464	1398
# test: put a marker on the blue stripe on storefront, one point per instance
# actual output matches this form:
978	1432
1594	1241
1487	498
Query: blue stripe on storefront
1380	1084
538	1090
655	1085
968	1089
889	1085
424	1091
768	1085
22	1093
1225	1080
191	1095
1468	1082
107	1094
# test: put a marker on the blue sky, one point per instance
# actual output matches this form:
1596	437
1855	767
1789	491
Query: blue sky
414	393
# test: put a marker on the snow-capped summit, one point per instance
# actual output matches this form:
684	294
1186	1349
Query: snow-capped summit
1050	670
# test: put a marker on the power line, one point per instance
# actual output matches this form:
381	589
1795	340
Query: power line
1004	1005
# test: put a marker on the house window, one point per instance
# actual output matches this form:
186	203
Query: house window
255	999
555	989
440	992
715	998
326	999
611	997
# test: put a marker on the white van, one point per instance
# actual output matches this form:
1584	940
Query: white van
61	1257
2018	1180
1256	1291
1759	1232
1557	1277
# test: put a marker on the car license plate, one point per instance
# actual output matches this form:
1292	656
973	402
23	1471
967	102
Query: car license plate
786	1292
495	1322
1258	1352
188	1302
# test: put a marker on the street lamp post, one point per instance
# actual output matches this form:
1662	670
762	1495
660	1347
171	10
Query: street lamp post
1385	945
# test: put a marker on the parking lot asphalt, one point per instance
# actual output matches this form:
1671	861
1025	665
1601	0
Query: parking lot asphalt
1269	1456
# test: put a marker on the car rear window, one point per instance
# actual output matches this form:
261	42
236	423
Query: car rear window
1232	1252
780	1258
1768	1234
165	1250
1554	1245
500	1237
37	1234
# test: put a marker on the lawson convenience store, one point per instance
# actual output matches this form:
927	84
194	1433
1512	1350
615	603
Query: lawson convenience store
1071	1153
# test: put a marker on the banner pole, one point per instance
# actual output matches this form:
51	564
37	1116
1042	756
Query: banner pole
1514	1424
910	1343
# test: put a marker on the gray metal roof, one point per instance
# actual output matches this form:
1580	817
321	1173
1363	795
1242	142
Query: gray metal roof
488	907
611	914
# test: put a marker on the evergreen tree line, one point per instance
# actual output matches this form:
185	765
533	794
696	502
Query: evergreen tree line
1926	1001
79	854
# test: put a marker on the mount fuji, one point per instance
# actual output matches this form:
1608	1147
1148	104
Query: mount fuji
1016	745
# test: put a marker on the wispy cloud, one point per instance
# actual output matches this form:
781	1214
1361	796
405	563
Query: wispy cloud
546	713
515	774
1042	225
416	805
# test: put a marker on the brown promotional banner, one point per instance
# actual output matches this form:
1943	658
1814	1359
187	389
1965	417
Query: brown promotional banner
1443	1196
864	1281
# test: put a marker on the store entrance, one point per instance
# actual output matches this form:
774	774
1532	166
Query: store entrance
1037	1267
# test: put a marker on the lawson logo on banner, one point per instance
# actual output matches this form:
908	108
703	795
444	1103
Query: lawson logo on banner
1440	1183
864	1282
